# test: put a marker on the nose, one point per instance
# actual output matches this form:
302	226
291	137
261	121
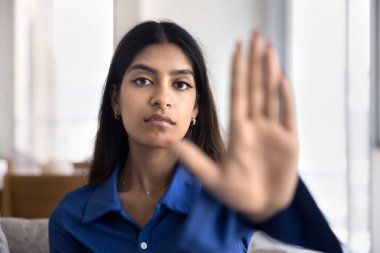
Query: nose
162	98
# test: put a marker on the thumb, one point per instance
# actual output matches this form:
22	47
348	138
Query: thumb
197	162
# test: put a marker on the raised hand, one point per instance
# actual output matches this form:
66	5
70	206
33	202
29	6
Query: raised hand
258	174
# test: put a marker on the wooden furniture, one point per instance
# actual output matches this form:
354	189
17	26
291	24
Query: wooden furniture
8	168
81	168
35	196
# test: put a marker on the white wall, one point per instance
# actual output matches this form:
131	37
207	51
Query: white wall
6	78
216	24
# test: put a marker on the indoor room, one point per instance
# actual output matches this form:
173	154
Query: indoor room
55	56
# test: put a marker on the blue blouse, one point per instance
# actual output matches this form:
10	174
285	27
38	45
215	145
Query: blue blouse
186	219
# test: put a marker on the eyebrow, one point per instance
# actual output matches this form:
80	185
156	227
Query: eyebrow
182	72
155	71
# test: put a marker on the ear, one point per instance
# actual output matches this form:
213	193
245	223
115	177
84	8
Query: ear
115	99
195	110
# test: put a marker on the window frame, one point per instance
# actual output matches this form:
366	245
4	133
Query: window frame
375	126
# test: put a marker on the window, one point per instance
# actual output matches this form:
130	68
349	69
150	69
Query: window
63	50
330	71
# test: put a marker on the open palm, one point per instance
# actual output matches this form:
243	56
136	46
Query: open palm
258	174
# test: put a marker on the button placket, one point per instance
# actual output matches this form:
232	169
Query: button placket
144	240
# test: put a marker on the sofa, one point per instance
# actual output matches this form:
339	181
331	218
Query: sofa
18	235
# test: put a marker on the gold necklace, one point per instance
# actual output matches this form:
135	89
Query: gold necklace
144	192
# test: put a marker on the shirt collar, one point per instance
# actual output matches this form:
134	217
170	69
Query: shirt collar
104	198
179	196
182	191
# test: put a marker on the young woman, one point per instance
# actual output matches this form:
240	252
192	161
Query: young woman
161	179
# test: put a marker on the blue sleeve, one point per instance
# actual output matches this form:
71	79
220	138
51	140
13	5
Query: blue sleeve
212	227
59	240
302	224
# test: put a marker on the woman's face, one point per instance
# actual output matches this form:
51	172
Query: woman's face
157	98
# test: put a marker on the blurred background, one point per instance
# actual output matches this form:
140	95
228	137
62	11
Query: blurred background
54	57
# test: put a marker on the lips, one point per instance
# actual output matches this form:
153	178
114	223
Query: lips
158	119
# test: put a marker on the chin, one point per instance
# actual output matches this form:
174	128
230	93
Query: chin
159	143
158	140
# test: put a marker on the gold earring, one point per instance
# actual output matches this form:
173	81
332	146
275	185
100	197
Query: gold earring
193	121
116	115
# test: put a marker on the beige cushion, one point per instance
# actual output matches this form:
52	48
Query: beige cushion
25	235
3	242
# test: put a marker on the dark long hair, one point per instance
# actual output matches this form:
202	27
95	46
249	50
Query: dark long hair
111	144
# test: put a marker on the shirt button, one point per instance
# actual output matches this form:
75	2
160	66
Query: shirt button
144	245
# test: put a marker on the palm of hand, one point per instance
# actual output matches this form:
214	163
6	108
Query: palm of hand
258	174
272	151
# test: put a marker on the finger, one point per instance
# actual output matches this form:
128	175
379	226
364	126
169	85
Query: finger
272	84
239	101
288	114
255	83
197	162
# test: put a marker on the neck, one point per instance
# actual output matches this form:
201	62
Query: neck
147	169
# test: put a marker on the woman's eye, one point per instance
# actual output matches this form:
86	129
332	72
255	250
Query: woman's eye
141	81
182	85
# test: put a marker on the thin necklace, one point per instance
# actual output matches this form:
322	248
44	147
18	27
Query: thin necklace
145	192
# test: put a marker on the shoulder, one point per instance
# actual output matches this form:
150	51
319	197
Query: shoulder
73	203
65	220
78	197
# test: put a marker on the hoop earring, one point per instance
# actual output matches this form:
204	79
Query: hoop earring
193	121
117	116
